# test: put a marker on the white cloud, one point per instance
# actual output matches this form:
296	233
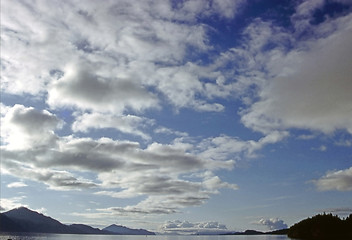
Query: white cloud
181	85
273	223
140	48
304	14
16	185
7	204
340	180
212	182
129	124
226	147
322	148
186	227
168	131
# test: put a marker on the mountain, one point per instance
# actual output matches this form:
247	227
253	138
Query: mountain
118	229
25	220
30	221
7	225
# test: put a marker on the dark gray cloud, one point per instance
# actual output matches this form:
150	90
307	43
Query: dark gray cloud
28	127
31	120
83	88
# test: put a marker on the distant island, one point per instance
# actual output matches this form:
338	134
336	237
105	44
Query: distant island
25	220
322	226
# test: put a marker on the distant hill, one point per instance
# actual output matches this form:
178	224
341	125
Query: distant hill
278	232
325	226
118	229
254	232
25	220
88	229
250	232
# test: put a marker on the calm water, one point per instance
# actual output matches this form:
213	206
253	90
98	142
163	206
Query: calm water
159	237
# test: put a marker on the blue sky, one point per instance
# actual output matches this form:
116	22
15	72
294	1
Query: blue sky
177	116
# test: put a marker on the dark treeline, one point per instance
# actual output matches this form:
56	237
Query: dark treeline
322	226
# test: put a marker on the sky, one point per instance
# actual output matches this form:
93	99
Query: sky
177	116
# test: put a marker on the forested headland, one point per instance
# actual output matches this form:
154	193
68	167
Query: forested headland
322	226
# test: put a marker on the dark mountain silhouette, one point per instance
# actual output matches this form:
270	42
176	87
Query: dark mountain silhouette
25	220
322	226
7	225
118	229
31	221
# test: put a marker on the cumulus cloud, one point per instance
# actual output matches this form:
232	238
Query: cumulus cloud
308	87
82	88
24	128
340	180
273	223
186	227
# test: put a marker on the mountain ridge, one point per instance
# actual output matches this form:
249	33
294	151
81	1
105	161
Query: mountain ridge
23	219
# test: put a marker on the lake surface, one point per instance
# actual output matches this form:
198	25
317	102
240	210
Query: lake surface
123	237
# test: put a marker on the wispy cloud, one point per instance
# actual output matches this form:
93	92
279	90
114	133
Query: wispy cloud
345	211
129	124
